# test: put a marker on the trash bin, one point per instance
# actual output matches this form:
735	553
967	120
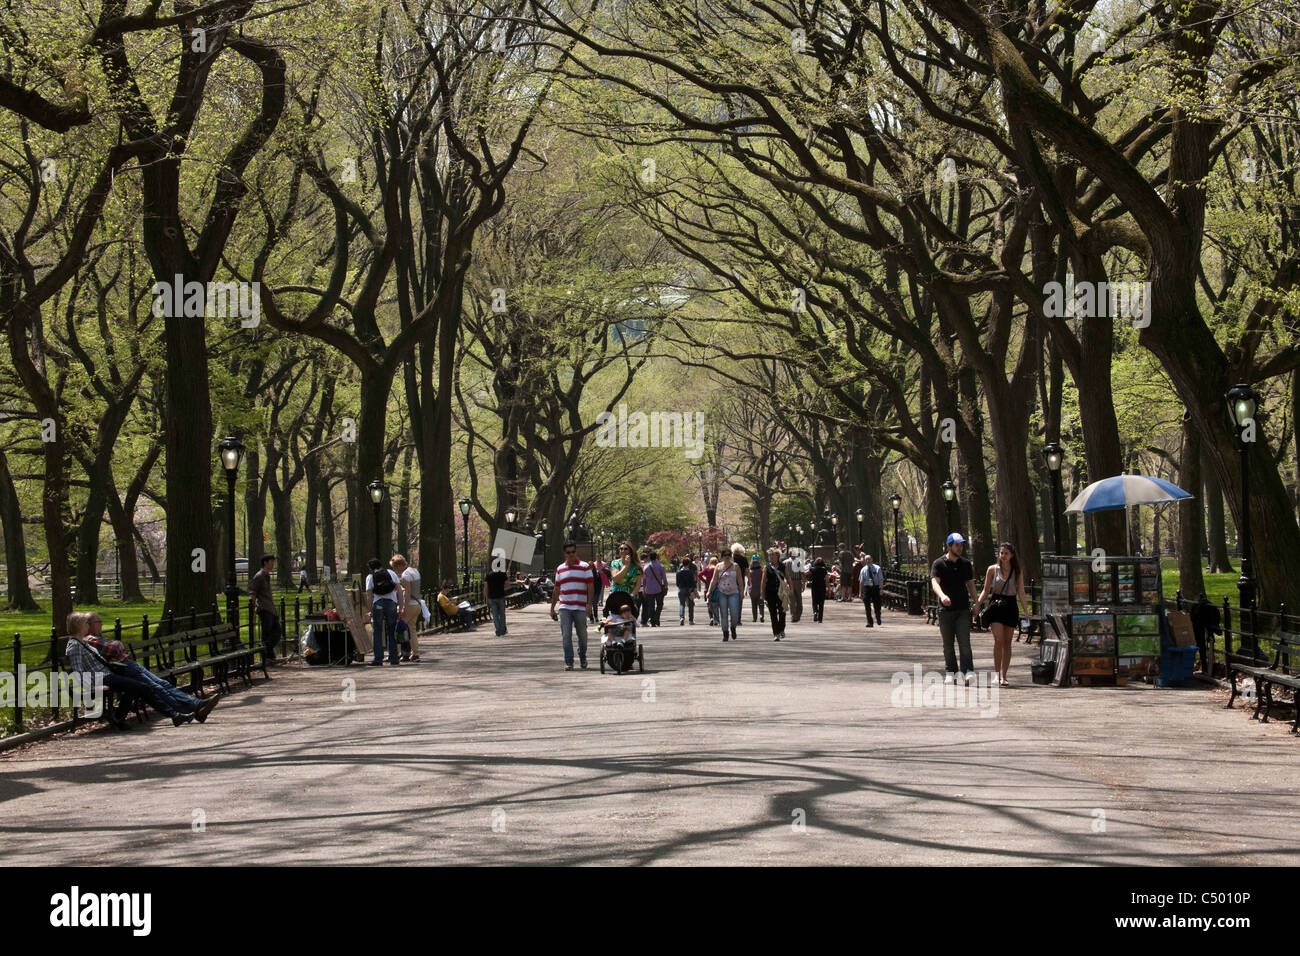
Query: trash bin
915	597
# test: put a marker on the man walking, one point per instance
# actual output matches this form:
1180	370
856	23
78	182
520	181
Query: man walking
382	600
953	583
656	583
871	578
494	592
411	612
574	592
302	579
794	575
260	590
686	588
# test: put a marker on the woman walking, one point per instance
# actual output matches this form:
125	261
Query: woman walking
756	587
773	577
706	577
1003	585
725	590
625	572
817	584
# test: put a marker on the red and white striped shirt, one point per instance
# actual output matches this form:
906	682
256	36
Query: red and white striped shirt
571	584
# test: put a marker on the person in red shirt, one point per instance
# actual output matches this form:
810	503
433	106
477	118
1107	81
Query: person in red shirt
574	592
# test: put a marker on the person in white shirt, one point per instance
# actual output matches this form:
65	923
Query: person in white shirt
871	578
413	612
384	600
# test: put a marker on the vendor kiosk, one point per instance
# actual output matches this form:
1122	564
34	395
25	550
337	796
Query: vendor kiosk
1101	618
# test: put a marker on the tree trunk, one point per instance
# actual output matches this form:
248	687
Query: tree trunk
1190	515
128	566
1216	522
11	516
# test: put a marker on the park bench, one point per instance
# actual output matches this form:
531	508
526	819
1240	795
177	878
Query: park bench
215	651
894	594
1281	672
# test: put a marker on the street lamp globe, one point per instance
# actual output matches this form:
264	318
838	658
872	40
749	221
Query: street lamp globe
464	507
231	450
896	500
510	516
376	489
949	491
1242	403
1054	455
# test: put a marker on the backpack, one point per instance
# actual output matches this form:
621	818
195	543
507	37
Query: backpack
383	585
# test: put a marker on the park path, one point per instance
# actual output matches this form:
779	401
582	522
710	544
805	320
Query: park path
748	753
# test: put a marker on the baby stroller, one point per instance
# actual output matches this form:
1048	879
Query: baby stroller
618	644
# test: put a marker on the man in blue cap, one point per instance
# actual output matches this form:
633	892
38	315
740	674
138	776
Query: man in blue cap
953	581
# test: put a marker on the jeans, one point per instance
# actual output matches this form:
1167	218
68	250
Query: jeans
686	602
498	608
756	606
157	692
383	625
870	597
569	622
953	622
651	608
729	613
466	619
819	603
270	622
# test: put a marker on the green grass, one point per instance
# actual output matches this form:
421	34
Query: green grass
1217	586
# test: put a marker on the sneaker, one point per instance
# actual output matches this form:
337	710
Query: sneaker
179	719
682	622
735	636
950	678
395	663
724	638
406	658
584	663
568	667
415	659
376	663
969	677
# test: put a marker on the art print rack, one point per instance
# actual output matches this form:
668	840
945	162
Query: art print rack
1110	611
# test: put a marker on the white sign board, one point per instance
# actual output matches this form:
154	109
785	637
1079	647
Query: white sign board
512	546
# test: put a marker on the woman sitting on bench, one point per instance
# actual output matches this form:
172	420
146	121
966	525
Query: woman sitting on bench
90	653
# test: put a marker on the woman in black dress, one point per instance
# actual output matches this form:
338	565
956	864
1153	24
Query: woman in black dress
773	575
817	584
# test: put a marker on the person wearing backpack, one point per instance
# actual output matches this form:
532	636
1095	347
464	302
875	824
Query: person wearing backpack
384	596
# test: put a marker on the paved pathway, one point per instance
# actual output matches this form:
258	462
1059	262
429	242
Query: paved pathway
747	753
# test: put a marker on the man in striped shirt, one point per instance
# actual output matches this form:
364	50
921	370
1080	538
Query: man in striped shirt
574	592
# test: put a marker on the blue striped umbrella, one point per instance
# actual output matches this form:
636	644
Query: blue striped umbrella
1125	491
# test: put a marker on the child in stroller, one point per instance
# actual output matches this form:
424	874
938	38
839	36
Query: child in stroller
618	646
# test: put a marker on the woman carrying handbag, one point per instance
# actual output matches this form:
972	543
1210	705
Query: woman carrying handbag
1003	585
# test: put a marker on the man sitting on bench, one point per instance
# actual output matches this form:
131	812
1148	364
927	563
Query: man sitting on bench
89	653
450	608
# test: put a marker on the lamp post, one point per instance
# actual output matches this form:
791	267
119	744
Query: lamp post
464	514
1054	455
860	516
376	489
642	527
231	451
1243	401
950	499
897	501
798	530
510	517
